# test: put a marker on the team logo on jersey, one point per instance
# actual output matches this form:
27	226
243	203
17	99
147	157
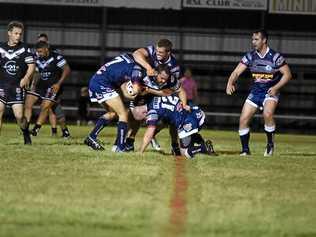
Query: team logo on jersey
187	127
11	67
269	68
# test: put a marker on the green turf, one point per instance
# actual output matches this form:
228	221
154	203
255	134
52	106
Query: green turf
59	187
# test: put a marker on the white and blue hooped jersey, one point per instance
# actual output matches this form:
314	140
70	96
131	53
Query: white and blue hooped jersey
264	68
171	62
265	73
169	109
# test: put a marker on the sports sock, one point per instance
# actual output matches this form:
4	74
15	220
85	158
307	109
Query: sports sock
244	138
100	124
121	134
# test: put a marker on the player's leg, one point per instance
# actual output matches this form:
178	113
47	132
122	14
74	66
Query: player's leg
175	149
2	109
118	107
91	140
248	111
194	144
46	105
269	124
61	118
133	126
18	111
30	100
53	121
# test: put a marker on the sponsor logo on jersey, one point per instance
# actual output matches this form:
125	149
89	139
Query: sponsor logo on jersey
266	76
11	67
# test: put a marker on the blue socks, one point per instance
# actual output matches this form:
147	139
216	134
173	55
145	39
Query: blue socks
121	135
100	124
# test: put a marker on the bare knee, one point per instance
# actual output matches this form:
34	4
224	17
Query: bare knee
267	115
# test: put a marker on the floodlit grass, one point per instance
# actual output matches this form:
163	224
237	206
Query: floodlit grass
59	187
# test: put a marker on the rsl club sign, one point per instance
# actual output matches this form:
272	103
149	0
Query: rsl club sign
227	4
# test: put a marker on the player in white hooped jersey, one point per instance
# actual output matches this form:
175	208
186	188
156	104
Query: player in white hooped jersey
270	73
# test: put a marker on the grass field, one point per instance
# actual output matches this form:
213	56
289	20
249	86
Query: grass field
59	187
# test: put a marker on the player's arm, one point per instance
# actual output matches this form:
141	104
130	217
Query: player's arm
28	75
65	73
183	97
231	88
148	136
140	55
286	76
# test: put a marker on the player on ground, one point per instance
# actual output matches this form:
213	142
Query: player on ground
270	73
16	70
187	123
53	70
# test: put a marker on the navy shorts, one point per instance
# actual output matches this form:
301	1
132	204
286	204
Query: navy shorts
100	92
45	94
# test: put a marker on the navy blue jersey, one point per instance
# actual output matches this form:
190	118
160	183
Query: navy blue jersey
264	68
13	63
171	62
117	71
167	108
50	69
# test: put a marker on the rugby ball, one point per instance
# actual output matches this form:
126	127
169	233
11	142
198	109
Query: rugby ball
129	88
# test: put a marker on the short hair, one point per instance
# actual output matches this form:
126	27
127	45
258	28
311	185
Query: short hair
163	68
15	24
42	35
165	43
263	32
41	44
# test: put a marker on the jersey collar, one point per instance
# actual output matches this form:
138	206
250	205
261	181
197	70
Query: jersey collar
262	56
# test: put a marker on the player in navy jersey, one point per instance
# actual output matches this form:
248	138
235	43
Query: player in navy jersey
16	70
56	112
104	88
187	124
152	56
53	70
270	73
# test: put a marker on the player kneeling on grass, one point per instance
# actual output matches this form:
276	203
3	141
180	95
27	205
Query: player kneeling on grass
187	123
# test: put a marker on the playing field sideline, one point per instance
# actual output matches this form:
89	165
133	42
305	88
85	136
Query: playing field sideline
59	187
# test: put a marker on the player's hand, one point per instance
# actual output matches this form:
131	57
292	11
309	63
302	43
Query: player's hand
273	91
55	87
230	89
24	83
145	90
187	108
151	72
